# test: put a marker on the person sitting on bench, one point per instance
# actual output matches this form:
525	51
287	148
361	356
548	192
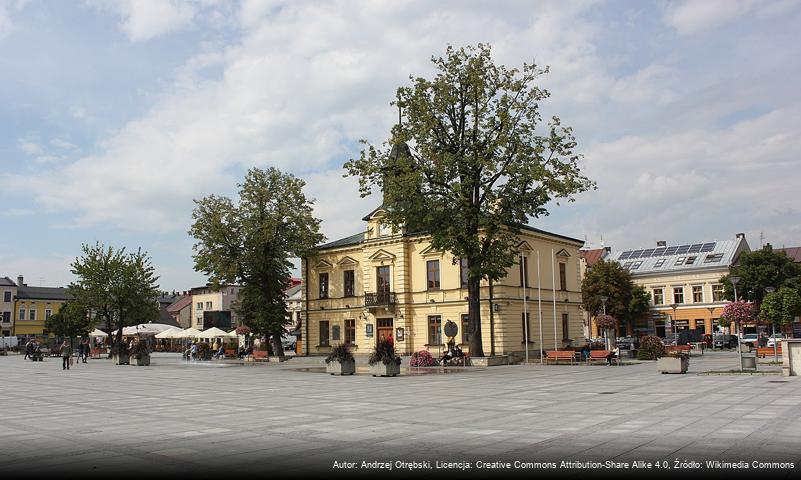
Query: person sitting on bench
615	353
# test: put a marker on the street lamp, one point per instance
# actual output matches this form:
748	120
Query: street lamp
734	281
770	290
669	333
604	298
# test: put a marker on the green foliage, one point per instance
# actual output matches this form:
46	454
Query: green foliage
118	288
72	320
651	348
340	353
251	242
626	301
760	269
384	352
140	349
481	164
780	307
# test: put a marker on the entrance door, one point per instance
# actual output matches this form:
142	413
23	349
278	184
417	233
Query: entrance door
384	327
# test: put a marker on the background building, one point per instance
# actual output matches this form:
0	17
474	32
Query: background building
33	306
683	281
214	307
8	295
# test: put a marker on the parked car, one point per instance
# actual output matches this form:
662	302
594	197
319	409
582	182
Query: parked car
777	338
724	340
289	342
750	339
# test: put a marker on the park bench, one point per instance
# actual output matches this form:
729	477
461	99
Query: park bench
257	356
762	352
600	355
556	355
230	352
678	348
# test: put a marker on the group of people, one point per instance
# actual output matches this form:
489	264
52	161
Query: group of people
191	353
614	353
66	353
453	351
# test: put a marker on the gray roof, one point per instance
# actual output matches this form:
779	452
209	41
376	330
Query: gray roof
674	258
42	293
7	282
344	242
293	290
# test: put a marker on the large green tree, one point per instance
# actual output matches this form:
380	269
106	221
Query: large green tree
118	289
761	269
470	162
252	241
626	301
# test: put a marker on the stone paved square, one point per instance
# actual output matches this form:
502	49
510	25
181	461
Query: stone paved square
176	416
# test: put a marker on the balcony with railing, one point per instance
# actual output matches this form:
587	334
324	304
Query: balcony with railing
380	299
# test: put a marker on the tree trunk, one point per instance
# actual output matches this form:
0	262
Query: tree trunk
474	316
278	348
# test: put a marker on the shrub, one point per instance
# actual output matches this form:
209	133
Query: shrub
140	349
422	359
203	351
340	353
384	352
651	348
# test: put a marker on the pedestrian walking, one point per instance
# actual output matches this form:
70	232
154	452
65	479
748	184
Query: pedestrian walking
66	355
86	349
28	350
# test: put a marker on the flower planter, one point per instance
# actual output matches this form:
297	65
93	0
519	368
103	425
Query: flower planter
142	361
673	364
120	359
385	370
341	368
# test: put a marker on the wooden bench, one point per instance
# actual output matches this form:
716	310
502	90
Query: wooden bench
678	348
230	352
257	356
762	352
601	355
557	355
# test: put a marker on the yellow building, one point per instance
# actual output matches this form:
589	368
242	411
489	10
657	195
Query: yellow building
380	282
33	306
684	283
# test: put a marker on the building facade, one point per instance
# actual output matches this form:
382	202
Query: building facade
380	283
8	296
683	282
33	306
210	305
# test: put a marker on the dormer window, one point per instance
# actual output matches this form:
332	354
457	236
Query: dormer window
384	230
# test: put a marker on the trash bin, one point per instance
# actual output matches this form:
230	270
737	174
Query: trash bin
750	361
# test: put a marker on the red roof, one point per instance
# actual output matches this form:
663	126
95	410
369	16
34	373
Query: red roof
180	304
592	256
792	252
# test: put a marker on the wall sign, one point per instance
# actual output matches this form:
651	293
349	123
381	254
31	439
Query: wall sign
399	332
368	330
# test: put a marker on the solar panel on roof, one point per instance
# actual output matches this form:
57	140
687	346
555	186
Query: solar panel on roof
708	247
624	255
695	248
647	253
658	252
683	249
670	250
636	254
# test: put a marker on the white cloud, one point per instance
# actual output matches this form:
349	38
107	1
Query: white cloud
695	16
146	19
30	148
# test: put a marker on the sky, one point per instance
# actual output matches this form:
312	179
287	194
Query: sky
115	115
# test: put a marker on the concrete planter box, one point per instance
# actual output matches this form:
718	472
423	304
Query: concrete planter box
381	370
279	359
118	359
750	361
341	368
144	361
673	364
495	361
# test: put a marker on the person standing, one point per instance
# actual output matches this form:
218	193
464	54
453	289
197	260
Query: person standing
28	350
66	354
86	348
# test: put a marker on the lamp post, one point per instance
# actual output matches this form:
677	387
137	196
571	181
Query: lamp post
524	270
773	328
734	281
604	298
711	325
672	321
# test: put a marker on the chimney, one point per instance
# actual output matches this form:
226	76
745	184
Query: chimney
19	281
740	235
661	243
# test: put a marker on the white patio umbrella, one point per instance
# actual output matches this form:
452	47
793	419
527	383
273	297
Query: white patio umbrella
188	333
232	334
98	333
168	333
213	332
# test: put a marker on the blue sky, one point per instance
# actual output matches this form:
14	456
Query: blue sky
114	115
